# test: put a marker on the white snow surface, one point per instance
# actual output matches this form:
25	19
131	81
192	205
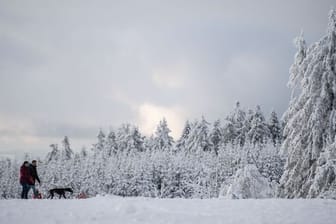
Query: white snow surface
110	209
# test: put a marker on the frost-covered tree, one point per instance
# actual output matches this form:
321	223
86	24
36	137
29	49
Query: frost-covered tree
83	152
137	140
198	140
216	136
163	140
235	128
259	132
9	173
54	154
100	145
270	162
129	139
181	144
241	129
67	152
229	131
111	144
275	128
52	168
311	118
76	174
248	121
324	184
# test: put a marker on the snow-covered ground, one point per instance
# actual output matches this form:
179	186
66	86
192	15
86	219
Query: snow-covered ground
111	209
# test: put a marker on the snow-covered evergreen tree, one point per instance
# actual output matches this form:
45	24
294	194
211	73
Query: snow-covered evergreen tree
324	184
54	154
163	140
198	140
181	144
100	145
67	152
129	139
216	136
9	176
229	131
259	132
111	144
52	168
274	127
235	128
311	118
239	118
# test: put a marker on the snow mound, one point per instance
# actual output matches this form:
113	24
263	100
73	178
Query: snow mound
249	183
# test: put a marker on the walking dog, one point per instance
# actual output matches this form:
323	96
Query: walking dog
59	191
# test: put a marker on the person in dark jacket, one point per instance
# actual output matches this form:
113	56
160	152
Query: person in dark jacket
26	179
35	176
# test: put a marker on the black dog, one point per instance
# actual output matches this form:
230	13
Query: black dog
59	191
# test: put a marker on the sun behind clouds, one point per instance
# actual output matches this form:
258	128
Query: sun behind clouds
149	116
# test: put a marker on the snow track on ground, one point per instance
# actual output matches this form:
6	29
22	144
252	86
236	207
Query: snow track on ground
111	209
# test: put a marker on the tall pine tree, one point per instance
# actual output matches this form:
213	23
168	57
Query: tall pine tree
311	118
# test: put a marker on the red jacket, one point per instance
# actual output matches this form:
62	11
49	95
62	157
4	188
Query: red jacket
25	175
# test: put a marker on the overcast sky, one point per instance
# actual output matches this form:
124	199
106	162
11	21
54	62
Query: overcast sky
72	67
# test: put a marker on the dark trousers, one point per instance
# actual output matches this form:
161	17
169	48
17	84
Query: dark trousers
34	189
25	190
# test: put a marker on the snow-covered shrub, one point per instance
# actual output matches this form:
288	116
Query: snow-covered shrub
249	183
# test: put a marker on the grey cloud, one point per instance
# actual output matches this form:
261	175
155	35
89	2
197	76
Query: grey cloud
70	67
58	130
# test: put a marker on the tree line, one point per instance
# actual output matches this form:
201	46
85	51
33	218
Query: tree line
126	163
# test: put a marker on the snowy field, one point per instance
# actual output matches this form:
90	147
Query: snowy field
145	210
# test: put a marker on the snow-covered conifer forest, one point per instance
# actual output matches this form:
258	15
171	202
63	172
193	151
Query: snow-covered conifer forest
200	164
248	154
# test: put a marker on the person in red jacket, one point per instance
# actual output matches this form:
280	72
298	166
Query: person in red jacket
26	179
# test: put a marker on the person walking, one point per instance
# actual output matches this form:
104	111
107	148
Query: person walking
26	179
35	177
